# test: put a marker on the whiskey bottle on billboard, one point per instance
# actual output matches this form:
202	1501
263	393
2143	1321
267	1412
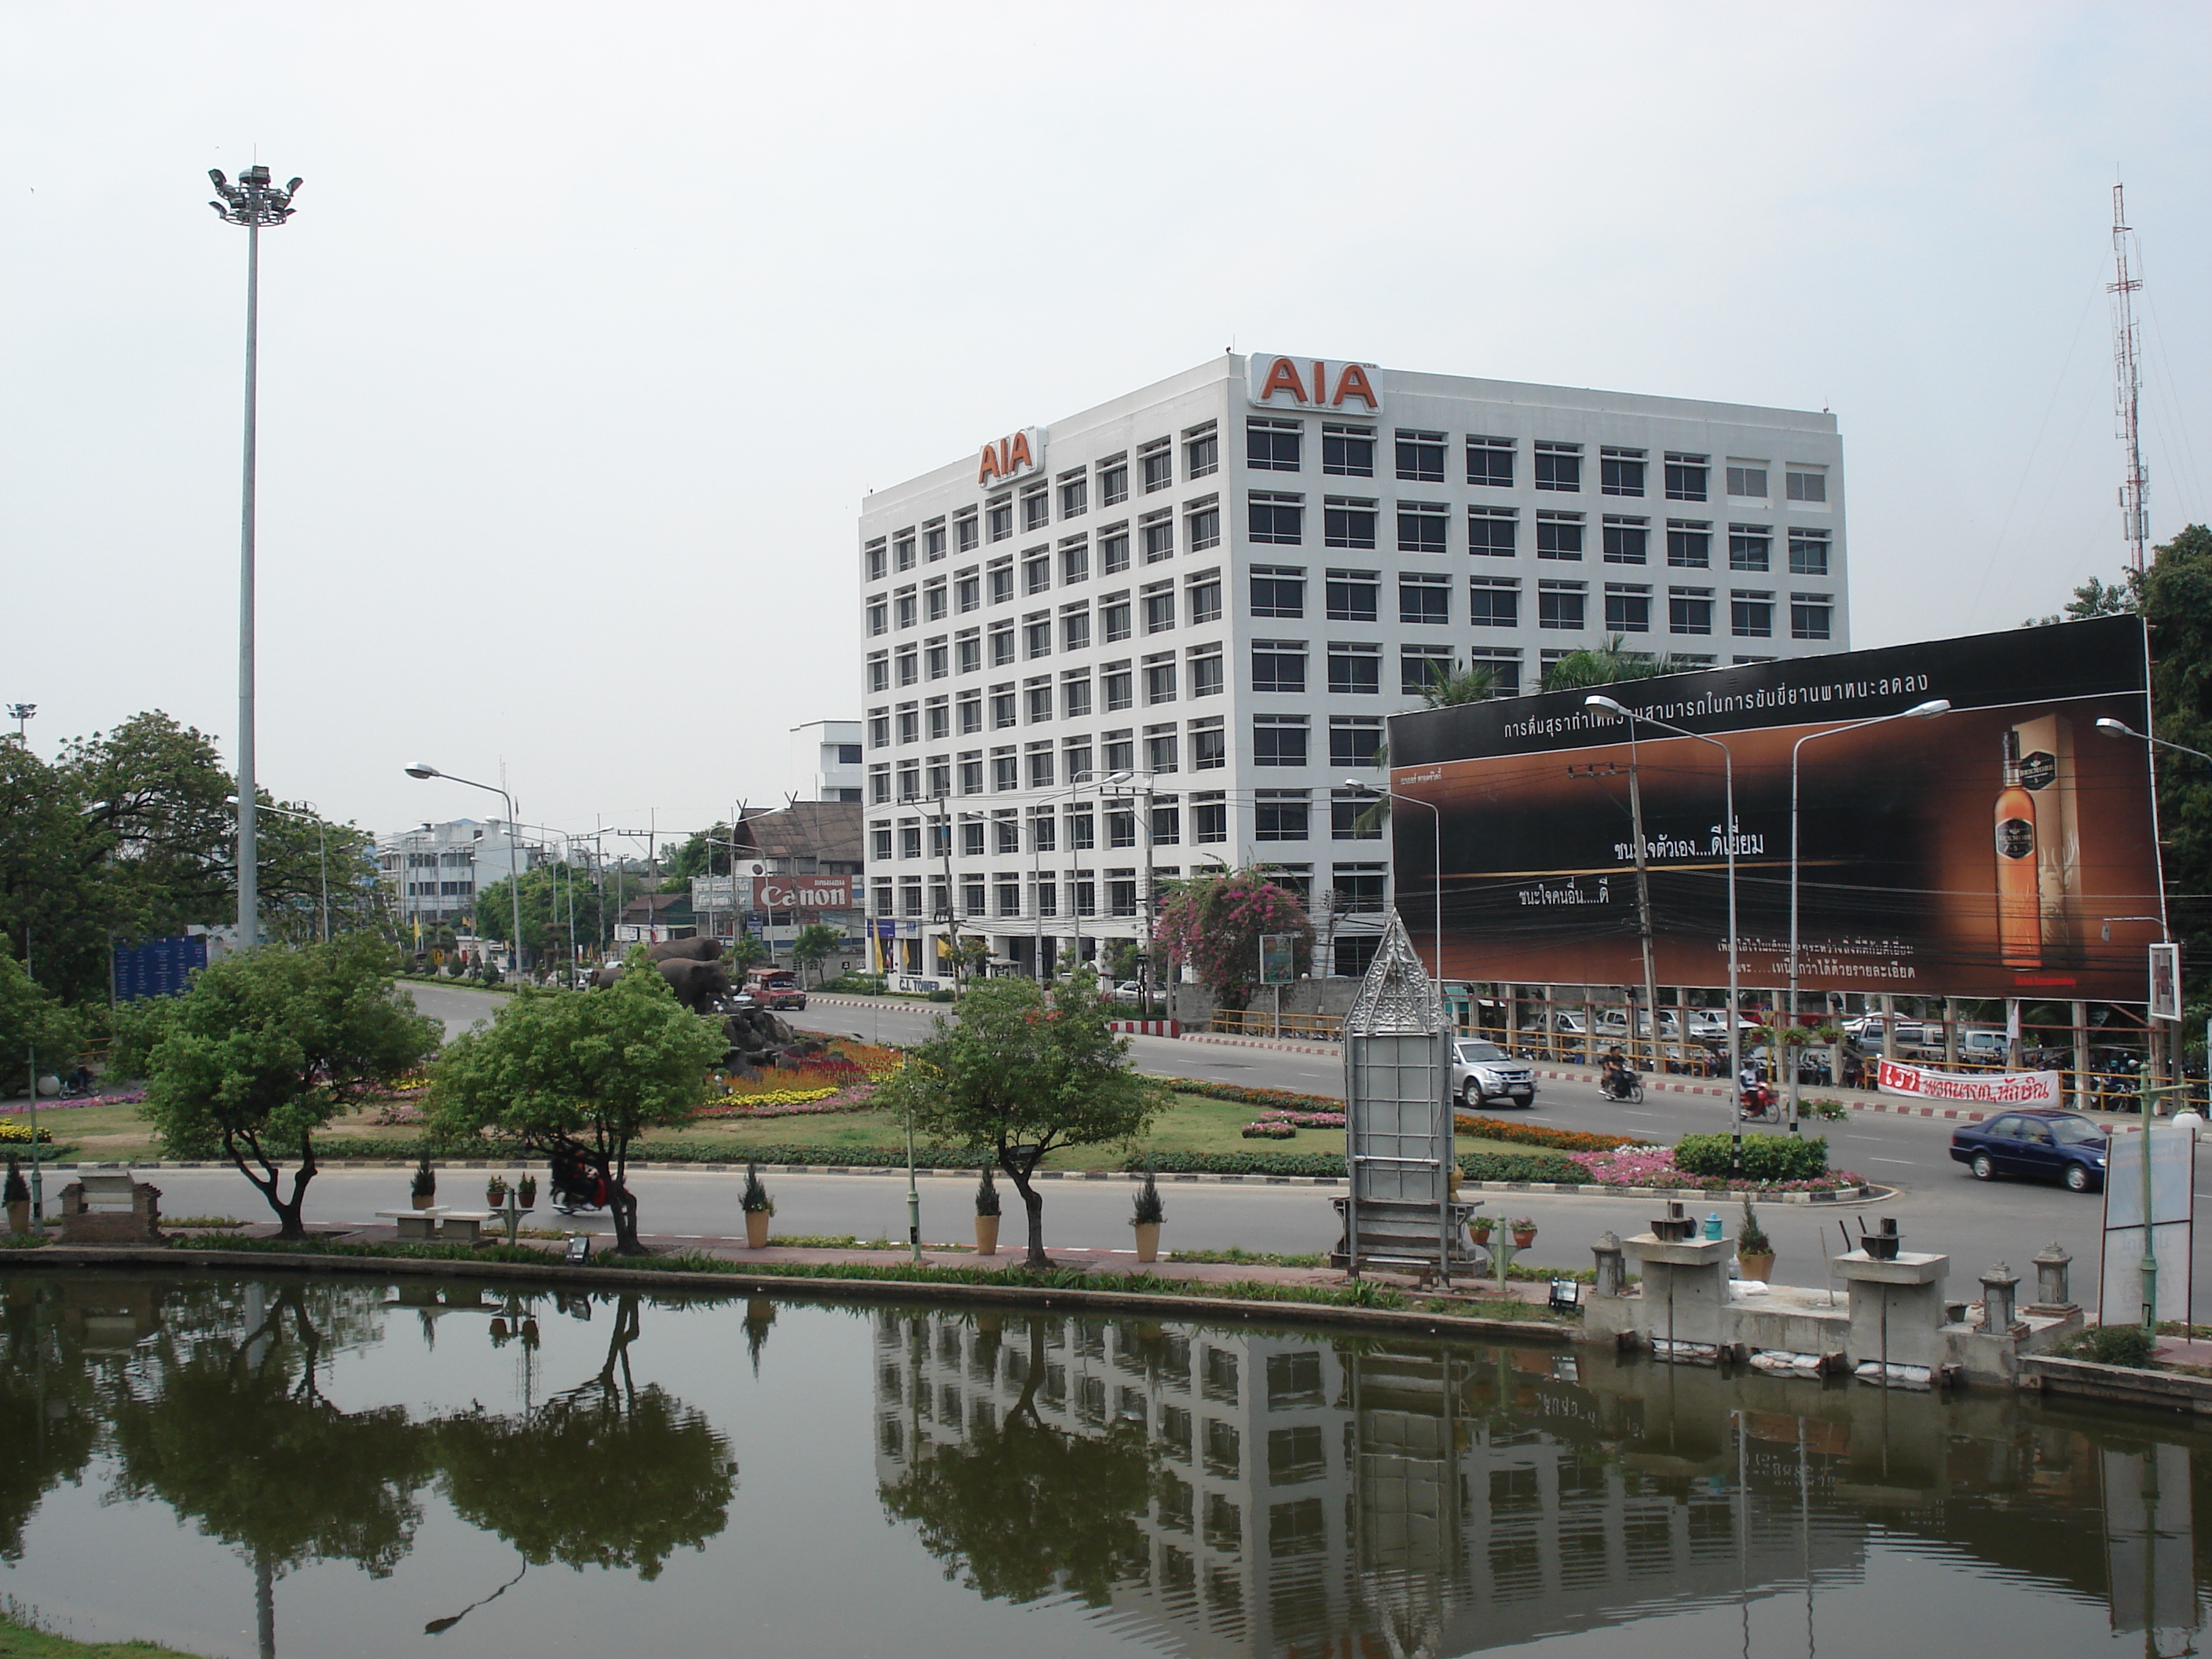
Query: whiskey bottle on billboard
2020	898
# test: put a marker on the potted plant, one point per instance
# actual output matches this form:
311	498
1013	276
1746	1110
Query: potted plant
1150	1213
987	1214
424	1186
1754	1250
1479	1228
528	1188
758	1207
18	1199
495	1193
1524	1230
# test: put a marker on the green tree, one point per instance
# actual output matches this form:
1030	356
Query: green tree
1606	663
1019	1074
2176	596
1214	922
1448	688
32	1020
581	1075
266	1048
812	945
1021	1510
547	894
745	952
705	853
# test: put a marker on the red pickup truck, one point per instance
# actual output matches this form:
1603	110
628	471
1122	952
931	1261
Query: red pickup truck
775	987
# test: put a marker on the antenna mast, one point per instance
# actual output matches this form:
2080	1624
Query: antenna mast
2135	516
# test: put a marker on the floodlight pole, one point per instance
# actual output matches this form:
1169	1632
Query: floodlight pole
1381	792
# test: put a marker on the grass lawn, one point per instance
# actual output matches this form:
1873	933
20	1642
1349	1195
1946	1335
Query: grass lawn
20	1638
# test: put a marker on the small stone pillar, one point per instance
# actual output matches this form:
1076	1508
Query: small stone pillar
1612	1269
2053	1298
1998	1285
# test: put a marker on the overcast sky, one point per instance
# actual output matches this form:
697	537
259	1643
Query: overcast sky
596	322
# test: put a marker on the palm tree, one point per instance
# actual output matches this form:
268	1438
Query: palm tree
1448	689
1606	663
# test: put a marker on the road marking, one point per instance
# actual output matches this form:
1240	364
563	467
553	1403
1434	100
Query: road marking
1891	1160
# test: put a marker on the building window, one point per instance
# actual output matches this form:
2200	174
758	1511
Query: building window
1689	544
932	602
1040	761
909	780
1118	682
1204	595
1809	552
939	718
1809	485
1037	509
1423	599
1347	522
902	609
1277	519
1279	666
1747	479
1490	462
1278	740
1036	638
1811	615
1209	745
1209	821
1002	644
873	566
1113	481
1489	531
1355	670
1009	891
968	651
1075	628
879	844
1036	701
1351	595
879	784
1159	680
1158	461
1627	541
1282	814
1201	452
880	728
1005	769
879	670
1421	526
1075	694
1161	748
1158	532
999	516
1355	741
1504	668
1074	496
1750	546
971	783
1205	675
1002	580
902	551
967	591
1003	708
1560	605
1278	591
1627	610
1751	616
880	617
1559	535
1271	446
1113	551
909	723
1686	477
1118	753
1423	666
1159	609
1689	609
963	531
1113	617
1356	889
1036	573
1493	602
1620	471
1075	755
971	713
1348	452
1559	466
1421	456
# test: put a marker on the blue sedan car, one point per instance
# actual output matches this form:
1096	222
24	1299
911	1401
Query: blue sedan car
2049	1145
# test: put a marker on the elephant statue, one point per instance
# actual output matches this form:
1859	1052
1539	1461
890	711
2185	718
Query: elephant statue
699	986
604	976
685	949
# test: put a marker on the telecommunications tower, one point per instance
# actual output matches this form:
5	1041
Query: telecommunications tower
2127	391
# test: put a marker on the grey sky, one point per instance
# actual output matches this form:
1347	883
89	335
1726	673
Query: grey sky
597	321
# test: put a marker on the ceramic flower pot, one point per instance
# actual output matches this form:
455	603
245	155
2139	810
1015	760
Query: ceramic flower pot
424	1200
986	1235
1757	1264
756	1224
1480	1235
1524	1237
1148	1240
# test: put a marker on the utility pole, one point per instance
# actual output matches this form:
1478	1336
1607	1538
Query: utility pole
2127	390
1643	891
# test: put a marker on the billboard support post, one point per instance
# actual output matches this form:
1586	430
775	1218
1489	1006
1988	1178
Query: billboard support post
1735	963
1925	711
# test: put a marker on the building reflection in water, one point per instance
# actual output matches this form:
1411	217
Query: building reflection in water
1313	1497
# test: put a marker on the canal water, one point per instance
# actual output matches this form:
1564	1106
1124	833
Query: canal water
321	1467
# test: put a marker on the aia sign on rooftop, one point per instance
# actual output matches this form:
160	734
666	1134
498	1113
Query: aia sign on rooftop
1311	383
1012	457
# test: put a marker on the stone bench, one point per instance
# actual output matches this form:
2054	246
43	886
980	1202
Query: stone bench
110	1209
438	1224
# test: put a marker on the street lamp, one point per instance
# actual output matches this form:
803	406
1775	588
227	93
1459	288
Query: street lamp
1735	959
252	202
1128	784
322	853
1922	711
421	769
1381	792
2112	728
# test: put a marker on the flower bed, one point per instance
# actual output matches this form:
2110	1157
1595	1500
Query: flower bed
19	1134
1537	1134
1654	1166
1270	1129
1278	1125
1276	1100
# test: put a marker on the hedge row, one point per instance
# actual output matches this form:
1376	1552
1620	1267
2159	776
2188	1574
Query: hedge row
1766	1157
1537	1134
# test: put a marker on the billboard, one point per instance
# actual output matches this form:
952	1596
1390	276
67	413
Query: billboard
2005	849
803	892
157	968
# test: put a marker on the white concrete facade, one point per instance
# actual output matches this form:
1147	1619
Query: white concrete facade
436	870
829	752
1221	584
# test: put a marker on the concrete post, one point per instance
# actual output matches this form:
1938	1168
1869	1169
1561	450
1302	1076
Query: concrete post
1998	1285
2081	1081
1888	1026
1611	1271
1950	1031
2053	1296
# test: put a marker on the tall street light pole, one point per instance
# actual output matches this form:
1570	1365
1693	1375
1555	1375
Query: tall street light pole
1734	956
252	202
420	769
322	853
1378	791
2112	728
1923	711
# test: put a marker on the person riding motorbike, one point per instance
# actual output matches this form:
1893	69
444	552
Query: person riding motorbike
1756	1098
1617	1078
575	1187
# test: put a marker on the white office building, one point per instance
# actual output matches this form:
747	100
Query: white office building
1162	633
829	752
436	870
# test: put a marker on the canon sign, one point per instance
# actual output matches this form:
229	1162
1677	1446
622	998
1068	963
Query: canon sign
803	892
1305	383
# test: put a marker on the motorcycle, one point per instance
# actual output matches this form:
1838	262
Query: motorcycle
575	1187
1621	1085
1756	1103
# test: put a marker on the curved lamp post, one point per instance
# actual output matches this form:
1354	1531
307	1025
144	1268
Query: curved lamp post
1382	792
322	853
1734	955
1924	711
423	769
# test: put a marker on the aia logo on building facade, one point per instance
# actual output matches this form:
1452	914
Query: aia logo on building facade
1012	457
1295	383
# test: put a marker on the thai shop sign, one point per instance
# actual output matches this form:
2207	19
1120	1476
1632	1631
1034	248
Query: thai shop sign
1984	1087
158	966
721	893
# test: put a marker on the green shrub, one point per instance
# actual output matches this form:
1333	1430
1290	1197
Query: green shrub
1766	1157
2116	1345
943	995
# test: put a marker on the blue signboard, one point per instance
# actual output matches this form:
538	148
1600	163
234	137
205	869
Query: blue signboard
157	968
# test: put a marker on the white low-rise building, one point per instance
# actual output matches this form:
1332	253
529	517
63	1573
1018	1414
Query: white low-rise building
1162	633
436	870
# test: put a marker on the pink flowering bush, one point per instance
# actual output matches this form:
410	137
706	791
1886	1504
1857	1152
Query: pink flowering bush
1214	923
1653	1166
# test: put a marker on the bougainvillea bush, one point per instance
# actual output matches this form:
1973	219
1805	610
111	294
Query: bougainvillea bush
1213	924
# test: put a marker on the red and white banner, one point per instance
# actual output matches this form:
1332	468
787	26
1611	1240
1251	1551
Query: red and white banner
1988	1088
